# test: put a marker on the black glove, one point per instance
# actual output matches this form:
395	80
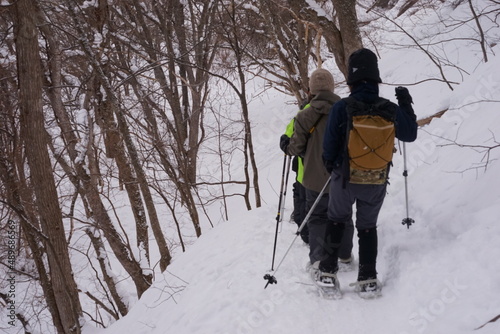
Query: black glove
328	165
403	96
295	164
284	142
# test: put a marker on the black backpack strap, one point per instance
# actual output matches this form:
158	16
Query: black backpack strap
311	130
349	101
386	109
382	107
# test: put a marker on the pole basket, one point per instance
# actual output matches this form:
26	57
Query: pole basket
408	222
270	279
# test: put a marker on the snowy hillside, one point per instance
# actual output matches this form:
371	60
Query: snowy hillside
441	275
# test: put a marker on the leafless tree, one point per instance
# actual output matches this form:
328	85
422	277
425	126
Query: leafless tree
67	303
111	100
176	41
234	32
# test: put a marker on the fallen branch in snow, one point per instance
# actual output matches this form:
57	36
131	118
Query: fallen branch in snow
479	148
492	320
427	120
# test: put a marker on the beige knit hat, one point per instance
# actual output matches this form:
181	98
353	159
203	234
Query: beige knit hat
321	79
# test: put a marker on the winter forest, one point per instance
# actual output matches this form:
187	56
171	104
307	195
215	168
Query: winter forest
130	129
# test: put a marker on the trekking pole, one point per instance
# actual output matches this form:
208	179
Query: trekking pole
278	216
282	209
270	278
406	221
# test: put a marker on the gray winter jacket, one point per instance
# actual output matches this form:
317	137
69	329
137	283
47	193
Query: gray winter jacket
310	145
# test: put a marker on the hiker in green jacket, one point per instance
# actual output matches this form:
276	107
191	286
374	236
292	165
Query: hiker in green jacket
299	192
306	141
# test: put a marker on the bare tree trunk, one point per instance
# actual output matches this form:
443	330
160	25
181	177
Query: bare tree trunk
184	29
292	44
89	183
165	256
30	226
115	149
349	29
116	137
342	36
102	258
122	250
33	132
233	35
87	187
80	178
249	143
221	164
18	196
180	162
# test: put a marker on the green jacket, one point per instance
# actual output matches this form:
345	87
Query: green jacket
289	132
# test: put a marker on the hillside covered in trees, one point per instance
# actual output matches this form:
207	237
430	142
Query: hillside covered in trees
130	129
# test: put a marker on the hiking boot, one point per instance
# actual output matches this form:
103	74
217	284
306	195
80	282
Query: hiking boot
327	283
326	276
368	286
368	289
327	279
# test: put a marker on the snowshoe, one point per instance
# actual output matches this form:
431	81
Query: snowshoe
368	289
327	283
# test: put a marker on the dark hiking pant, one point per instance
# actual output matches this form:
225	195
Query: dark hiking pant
368	200
318	223
299	208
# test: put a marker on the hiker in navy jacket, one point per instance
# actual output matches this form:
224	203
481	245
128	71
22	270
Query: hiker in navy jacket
363	80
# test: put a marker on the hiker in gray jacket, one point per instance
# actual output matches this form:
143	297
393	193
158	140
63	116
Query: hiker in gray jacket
307	142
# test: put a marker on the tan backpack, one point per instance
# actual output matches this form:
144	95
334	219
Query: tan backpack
370	140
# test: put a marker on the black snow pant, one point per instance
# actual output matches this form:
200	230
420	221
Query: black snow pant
319	242
299	209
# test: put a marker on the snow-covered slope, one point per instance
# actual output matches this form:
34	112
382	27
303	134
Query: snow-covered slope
442	275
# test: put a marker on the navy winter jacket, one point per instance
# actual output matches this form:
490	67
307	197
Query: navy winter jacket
335	134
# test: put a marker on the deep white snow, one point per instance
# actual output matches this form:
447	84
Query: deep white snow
442	275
